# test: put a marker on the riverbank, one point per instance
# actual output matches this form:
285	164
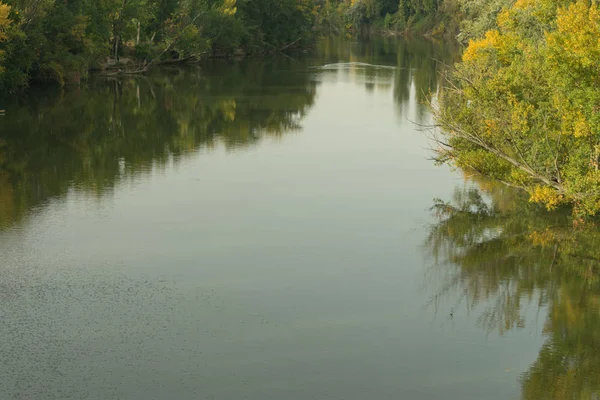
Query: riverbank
59	43
132	66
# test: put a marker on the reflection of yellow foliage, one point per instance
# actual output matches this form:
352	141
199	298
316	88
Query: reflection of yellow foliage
7	203
542	238
228	108
184	128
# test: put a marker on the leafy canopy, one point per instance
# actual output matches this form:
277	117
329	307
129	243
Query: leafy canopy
523	107
5	23
59	41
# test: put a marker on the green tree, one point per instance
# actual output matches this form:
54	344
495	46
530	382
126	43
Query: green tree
274	24
60	41
5	23
14	57
523	104
479	16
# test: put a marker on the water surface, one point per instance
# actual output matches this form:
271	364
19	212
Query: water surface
263	229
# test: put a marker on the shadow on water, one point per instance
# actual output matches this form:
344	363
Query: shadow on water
94	137
501	253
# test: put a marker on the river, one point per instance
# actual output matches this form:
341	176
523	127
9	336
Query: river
269	229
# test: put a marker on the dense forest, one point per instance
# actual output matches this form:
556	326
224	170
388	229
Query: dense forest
61	40
451	19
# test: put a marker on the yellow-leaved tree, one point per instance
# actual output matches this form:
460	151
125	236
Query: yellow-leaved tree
523	107
229	7
4	25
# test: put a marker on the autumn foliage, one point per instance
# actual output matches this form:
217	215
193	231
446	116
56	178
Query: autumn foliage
523	107
4	24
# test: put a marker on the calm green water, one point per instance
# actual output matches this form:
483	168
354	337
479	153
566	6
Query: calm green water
267	229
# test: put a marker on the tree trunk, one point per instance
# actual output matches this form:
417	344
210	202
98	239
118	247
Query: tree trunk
117	39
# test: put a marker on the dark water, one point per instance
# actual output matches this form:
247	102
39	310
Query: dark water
268	229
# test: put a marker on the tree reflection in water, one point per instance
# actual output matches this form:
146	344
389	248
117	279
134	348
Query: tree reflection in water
505	252
114	130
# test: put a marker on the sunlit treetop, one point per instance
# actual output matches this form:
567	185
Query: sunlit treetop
524	105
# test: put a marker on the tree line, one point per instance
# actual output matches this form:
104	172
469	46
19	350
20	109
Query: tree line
61	40
451	19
